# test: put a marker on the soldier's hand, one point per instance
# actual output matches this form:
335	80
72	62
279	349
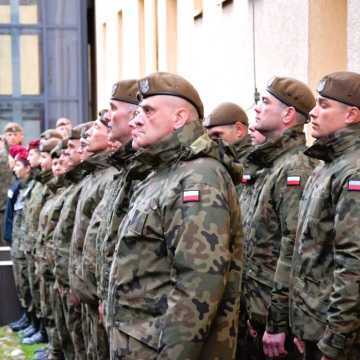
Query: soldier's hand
73	298
274	344
252	331
299	344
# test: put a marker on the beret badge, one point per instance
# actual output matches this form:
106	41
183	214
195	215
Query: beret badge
144	86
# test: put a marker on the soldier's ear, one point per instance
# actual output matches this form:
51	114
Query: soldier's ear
181	117
352	115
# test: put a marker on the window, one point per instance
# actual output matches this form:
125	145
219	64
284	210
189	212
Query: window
30	64
5	12
5	65
28	12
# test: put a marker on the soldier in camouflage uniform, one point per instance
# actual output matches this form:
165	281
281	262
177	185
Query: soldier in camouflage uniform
34	201
271	217
22	170
91	194
229	122
175	279
47	220
69	314
123	103
324	297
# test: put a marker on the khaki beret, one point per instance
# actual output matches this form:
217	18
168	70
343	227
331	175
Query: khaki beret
63	122
163	83
47	145
64	143
125	91
226	113
292	92
342	86
56	151
85	127
51	133
12	127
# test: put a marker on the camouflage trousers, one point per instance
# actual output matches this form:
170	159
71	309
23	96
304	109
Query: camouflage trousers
124	347
47	299
312	352
97	343
74	325
34	285
61	315
21	278
255	345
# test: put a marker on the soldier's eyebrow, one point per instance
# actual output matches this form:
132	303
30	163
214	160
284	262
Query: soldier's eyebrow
322	101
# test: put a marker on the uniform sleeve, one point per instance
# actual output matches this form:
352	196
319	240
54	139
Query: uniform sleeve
198	235
289	191
343	321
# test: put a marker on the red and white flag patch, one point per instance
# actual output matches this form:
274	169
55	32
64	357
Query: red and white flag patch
246	178
191	196
354	185
293	180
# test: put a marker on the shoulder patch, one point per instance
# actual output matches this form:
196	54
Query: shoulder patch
353	185
293	180
191	196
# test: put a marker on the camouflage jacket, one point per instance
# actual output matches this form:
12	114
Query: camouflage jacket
48	219
325	301
91	194
18	235
34	202
6	177
99	244
65	224
176	275
272	215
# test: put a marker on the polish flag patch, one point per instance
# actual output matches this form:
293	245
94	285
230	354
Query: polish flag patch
354	185
191	196
293	180
246	178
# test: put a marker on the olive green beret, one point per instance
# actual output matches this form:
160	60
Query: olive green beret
77	131
12	127
51	133
163	83
292	92
63	122
56	151
85	127
125	91
64	143
47	145
226	113
342	86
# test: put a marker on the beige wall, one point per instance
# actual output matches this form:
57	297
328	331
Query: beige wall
353	35
299	38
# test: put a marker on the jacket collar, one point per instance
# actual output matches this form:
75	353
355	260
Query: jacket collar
334	145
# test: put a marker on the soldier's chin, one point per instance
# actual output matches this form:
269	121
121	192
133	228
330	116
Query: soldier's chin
135	145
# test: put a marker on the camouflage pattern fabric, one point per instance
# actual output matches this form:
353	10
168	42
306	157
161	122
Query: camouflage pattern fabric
91	194
325	300
272	214
176	276
17	251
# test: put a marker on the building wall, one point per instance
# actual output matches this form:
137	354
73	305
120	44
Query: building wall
211	43
353	35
